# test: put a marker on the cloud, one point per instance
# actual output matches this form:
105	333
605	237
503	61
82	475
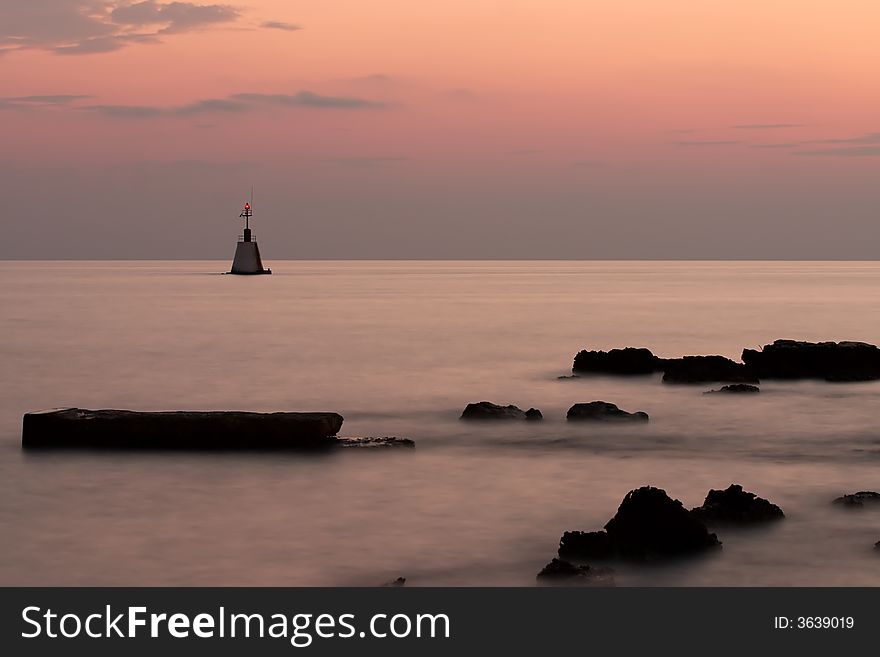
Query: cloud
311	99
241	102
869	138
779	145
368	161
53	99
83	27
765	126
698	142
852	151
280	25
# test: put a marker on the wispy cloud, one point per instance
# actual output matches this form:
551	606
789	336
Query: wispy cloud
281	25
765	126
707	142
869	138
851	151
311	99
779	145
367	161
84	27
43	101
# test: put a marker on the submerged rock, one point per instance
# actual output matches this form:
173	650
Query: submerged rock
600	411
648	525
374	442
736	506
560	571
395	583
534	414
736	389
859	500
488	411
628	361
832	361
190	430
706	369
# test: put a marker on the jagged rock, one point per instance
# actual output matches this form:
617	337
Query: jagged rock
859	500
488	411
396	583
600	411
832	361
706	369
200	430
736	506
627	361
534	414
736	389
376	443
560	571
648	525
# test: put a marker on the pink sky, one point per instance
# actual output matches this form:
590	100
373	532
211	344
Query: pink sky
664	118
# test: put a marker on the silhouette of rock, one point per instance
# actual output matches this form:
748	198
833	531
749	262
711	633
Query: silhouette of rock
736	506
736	389
560	571
859	500
534	414
648	525
200	430
877	545
395	583
706	369
600	411
832	361
628	361
488	411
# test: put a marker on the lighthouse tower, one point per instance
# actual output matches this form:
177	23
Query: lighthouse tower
247	253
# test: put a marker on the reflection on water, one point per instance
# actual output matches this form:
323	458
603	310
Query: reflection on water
399	349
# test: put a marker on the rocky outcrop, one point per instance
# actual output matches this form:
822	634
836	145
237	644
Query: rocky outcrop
534	414
395	583
736	507
831	361
706	369
488	411
736	389
648	525
192	430
600	411
384	442
565	572
859	500
628	361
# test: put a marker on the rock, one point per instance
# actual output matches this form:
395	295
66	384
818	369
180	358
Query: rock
877	545
376	443
706	369
199	430
560	571
648	525
628	361
600	411
488	411
570	376
736	389
534	414
736	506
831	361
395	583
859	500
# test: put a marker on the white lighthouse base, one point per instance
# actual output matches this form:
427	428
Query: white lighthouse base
247	260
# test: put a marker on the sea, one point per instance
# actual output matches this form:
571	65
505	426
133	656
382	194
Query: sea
399	348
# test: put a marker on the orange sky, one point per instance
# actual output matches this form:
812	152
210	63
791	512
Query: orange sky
542	93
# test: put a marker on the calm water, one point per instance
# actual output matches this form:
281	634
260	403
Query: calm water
399	348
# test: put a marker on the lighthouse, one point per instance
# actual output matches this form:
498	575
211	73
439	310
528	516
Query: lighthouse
247	254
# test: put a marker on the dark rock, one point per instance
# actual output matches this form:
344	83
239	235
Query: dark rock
831	361
706	369
628	361
648	525
736	506
600	411
859	500
572	376
199	430
736	389
376	443
877	545
396	583
534	414
488	411
560	571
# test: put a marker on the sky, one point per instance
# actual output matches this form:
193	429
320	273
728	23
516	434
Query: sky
525	129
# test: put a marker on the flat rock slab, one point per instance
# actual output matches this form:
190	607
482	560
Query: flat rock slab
190	430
